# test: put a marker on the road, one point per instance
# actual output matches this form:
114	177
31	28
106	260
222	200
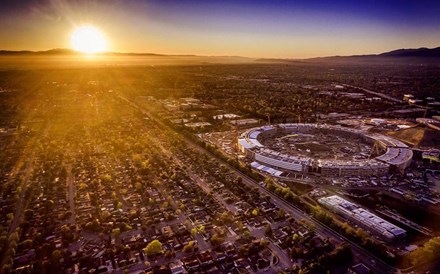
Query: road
284	259
258	233
376	93
372	261
379	266
70	193
20	205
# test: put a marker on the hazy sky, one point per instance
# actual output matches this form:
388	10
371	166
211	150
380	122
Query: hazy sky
271	28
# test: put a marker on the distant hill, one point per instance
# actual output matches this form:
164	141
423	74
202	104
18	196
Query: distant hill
60	58
420	55
71	52
423	55
420	52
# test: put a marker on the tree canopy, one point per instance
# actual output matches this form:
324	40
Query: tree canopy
153	248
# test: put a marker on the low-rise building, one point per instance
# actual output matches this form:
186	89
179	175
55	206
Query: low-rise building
363	218
243	122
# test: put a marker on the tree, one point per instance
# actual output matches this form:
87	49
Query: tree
290	197
145	166
193	232
430	251
263	243
27	243
271	187
138	187
10	216
225	218
187	224
116	232
125	227
28	213
362	234
268	231
339	255
189	247
295	237
169	254
240	225
66	233
106	178
153	248
268	181
217	240
55	259
105	214
246	234
281	213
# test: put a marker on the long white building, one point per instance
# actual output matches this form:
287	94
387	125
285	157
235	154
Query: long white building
363	217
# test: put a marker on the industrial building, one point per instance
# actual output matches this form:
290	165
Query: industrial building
363	218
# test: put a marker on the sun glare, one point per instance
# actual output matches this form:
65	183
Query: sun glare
88	39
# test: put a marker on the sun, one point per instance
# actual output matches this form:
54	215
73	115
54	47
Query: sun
88	39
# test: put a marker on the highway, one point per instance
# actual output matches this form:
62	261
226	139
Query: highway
376	93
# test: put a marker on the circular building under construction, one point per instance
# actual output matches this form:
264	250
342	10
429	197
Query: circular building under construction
323	149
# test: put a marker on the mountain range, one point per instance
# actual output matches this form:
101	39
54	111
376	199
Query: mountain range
420	52
416	55
420	55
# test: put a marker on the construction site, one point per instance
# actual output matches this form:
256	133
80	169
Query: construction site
324	149
317	143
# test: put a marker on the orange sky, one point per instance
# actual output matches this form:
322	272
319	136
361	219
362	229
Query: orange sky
245	28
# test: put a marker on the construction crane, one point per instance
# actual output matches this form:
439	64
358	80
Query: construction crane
376	150
236	142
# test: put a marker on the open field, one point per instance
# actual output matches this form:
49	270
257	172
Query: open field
418	136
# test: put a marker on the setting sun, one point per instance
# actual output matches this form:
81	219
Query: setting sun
88	39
